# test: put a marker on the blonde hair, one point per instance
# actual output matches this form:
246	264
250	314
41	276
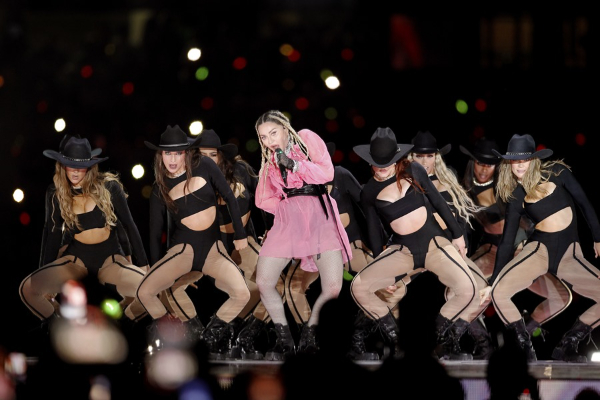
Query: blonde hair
464	204
278	118
537	173
93	185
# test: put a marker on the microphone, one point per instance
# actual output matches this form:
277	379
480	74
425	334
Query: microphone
282	169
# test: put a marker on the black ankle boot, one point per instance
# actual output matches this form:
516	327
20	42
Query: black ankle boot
483	346
521	336
194	329
308	340
389	328
217	337
247	337
566	350
444	344
363	326
455	332
284	345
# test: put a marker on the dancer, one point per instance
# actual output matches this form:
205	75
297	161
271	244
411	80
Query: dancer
427	153
401	196
185	187
480	180
87	203
546	192
294	168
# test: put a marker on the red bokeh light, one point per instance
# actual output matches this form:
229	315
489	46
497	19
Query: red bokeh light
347	54
302	103
332	126
127	88
87	71
480	105
294	56
239	63
42	106
207	103
580	139
24	218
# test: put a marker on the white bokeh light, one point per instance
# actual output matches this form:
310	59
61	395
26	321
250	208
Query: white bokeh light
137	171
332	82
196	127
18	195
194	54
60	125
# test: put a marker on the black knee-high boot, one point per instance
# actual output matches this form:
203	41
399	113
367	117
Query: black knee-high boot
284	344
194	329
566	350
247	337
308	340
483	346
522	338
388	326
217	337
455	332
363	326
444	344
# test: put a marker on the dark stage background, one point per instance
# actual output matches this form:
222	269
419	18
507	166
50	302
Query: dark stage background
117	72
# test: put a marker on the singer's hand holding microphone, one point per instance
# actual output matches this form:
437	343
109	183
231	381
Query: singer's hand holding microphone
285	163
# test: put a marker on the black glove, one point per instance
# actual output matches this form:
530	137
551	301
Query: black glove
283	160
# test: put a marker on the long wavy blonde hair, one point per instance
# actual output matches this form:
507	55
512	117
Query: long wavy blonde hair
279	118
537	173
464	204
92	185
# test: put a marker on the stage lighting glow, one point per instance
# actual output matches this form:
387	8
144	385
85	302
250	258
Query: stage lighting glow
239	63
18	195
286	49
252	145
194	54
60	125
196	127
332	82
201	73
461	106
595	356
137	171
326	73
347	54
302	103
294	56
331	113
112	308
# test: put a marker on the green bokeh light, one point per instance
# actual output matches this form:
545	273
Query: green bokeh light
112	308
201	73
461	106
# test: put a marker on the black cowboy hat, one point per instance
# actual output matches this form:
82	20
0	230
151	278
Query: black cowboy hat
330	148
383	149
209	139
522	147
424	143
172	139
76	152
95	153
482	151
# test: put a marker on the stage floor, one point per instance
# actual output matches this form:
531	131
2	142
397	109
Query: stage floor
541	369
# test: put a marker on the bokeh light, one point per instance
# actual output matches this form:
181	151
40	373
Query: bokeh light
87	71
201	73
127	88
331	113
286	49
24	218
240	63
461	106
137	171
18	195
580	139
332	82
112	308
480	105
196	127
252	145
194	54
60	125
302	103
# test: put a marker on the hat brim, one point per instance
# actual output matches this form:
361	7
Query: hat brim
428	150
482	158
187	146
541	154
69	162
364	152
229	150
